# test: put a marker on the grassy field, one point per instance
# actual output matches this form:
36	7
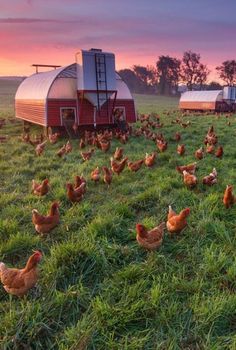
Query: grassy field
98	289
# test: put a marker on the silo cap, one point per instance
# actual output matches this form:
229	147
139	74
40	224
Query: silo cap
93	49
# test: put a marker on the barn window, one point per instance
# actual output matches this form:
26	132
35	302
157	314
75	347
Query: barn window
68	114
119	113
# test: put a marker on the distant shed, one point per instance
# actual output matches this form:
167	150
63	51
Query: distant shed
201	100
88	92
215	100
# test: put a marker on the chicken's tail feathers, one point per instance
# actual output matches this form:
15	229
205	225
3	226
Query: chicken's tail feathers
171	212
2	267
34	211
214	172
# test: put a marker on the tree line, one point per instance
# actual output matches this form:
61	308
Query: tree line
169	72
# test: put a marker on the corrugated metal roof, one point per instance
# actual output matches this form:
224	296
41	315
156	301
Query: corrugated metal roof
69	72
36	87
123	91
40	86
202	96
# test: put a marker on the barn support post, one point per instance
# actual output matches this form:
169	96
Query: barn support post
112	110
94	117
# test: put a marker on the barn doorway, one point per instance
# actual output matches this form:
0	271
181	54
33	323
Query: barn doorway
119	112
120	118
68	119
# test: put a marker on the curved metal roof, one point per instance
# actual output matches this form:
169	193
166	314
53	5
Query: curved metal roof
40	86
201	96
37	86
123	92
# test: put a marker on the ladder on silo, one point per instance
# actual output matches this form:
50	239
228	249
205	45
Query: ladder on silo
101	82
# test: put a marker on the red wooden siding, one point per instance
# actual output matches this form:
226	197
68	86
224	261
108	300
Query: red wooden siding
53	108
31	110
86	111
129	109
34	111
197	105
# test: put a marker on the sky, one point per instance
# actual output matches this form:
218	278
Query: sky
137	31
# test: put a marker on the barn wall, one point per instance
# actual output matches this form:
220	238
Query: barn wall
53	110
86	111
129	109
31	110
197	105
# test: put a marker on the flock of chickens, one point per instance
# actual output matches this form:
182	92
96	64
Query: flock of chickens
19	281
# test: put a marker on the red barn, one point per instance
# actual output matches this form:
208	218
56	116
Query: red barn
88	92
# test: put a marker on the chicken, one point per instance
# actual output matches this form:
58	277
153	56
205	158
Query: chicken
210	179
210	148
53	138
78	181
184	125
229	199
95	175
107	178
135	166
211	137
177	136
177	222
87	155
190	168
19	281
82	144
118	153
40	148
25	138
189	179
75	194
219	152
62	151
137	132
26	128
123	138
181	150
199	153
40	189
162	145
75	127
151	239
68	147
150	159
44	224
105	145
118	167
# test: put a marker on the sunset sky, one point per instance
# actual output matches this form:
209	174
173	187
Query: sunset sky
137	31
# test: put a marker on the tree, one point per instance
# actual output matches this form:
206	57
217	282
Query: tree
168	69
147	75
192	70
227	72
213	85
131	79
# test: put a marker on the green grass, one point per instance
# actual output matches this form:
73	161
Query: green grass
98	289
